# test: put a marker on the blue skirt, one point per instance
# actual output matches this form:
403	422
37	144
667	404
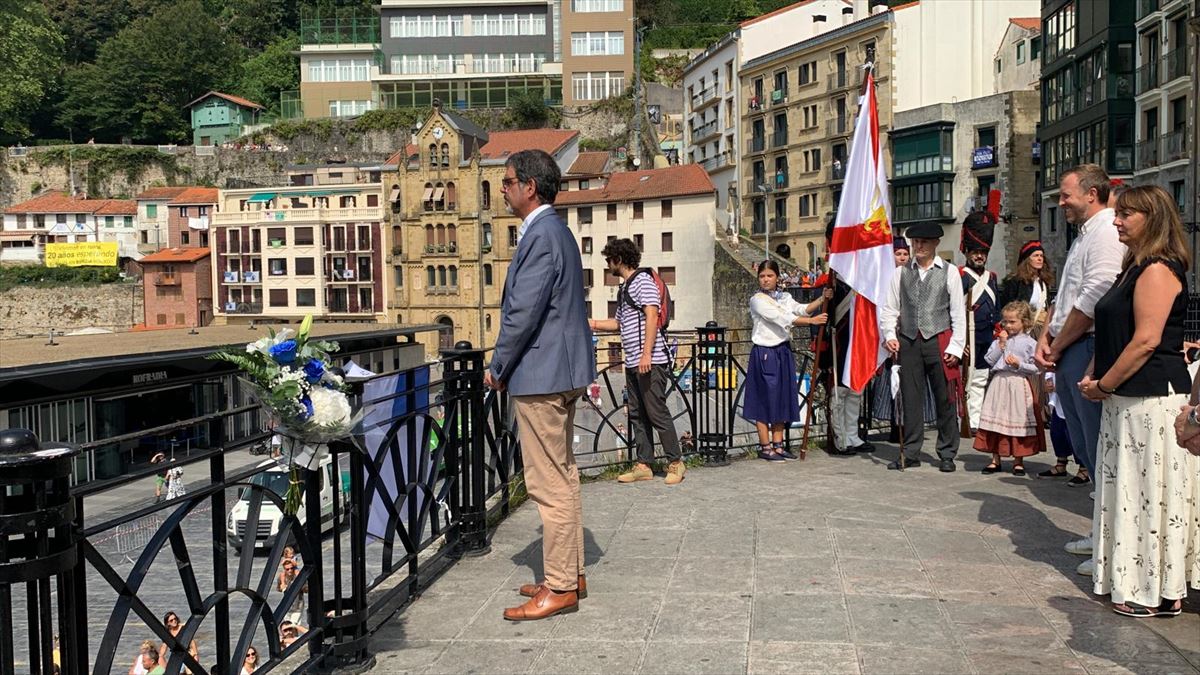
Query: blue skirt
772	394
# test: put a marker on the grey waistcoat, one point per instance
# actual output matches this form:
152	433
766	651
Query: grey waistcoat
924	305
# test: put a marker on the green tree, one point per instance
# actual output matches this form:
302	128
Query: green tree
31	51
275	69
145	75
527	110
86	24
741	10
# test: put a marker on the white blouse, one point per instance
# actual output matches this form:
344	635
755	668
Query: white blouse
773	318
1037	299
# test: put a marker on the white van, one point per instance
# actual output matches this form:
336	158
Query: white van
275	479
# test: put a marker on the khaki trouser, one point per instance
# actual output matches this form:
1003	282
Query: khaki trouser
545	423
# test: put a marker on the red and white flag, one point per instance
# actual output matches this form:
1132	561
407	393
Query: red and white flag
861	248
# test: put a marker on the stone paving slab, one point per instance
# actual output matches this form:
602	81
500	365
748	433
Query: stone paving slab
831	565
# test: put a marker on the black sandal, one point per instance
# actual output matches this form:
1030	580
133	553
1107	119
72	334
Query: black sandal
992	468
1052	473
1018	469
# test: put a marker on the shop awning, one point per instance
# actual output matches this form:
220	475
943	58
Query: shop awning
437	194
428	194
16	235
262	197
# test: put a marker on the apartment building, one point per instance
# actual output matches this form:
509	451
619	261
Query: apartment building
949	159
670	214
152	217
55	217
177	288
281	253
796	123
1089	113
597	46
1018	61
451	238
189	215
1165	101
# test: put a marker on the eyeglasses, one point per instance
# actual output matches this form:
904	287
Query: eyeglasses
509	182
251	655
172	620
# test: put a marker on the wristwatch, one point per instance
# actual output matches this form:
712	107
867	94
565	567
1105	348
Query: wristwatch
1192	419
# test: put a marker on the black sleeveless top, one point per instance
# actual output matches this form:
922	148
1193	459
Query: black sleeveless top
1165	372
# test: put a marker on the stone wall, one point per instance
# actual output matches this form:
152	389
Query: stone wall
733	284
28	311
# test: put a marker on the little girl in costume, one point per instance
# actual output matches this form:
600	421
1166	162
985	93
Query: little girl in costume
1010	424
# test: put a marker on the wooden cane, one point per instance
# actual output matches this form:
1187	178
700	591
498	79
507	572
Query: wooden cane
897	414
812	377
964	372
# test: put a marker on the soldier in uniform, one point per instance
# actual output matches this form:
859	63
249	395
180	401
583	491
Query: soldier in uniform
981	293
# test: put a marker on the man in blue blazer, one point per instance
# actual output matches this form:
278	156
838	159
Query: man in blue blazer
544	358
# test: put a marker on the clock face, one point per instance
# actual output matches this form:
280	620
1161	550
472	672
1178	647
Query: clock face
437	133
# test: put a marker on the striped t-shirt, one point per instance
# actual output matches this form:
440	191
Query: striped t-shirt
633	323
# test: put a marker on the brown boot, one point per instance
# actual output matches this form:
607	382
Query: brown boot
530	590
544	605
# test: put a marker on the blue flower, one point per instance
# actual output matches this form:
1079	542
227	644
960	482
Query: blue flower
314	370
308	408
284	353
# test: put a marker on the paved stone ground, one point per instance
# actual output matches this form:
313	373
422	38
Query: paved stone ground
832	565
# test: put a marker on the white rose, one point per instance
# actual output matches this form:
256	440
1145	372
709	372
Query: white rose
330	407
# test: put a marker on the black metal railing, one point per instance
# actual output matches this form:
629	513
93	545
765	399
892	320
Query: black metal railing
437	457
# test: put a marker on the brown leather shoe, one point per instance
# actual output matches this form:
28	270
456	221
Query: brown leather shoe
530	590
544	605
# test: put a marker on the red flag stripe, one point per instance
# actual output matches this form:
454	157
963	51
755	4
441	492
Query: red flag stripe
864	344
850	239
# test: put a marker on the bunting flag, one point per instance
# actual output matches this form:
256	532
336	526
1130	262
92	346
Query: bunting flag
860	250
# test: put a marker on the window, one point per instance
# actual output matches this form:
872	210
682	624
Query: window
304	267
611	279
808	205
924	152
614	351
183	212
278	297
986	137
612	212
276	236
923	201
349	108
1176	190
584	184
161	319
667	208
808	73
430	277
640	242
585	244
668	242
185	238
596	86
810	116
667	274
340	70
302	236
508	24
152	211
306	297
1035	47
277	266
812	160
487	274
1058	32
611	43
512	236
999	65
589	6
638	210
398	276
583	215
588	277
1021	52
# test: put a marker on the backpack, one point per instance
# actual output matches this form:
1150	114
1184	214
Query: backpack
664	297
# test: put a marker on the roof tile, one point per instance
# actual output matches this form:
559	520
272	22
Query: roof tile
673	181
1028	23
228	97
589	164
58	202
197	195
158	193
172	255
501	144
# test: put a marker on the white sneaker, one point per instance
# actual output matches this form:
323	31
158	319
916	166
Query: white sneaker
1081	547
1087	568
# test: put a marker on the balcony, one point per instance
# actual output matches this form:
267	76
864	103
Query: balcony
1147	77
779	224
781	180
1176	64
839	80
779	97
758	227
236	307
754	105
1147	154
167	279
754	145
252	277
779	139
839	126
716	162
1173	146
837	171
702	99
317	215
703	132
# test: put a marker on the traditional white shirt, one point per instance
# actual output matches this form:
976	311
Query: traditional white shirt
1092	266
529	219
889	313
773	317
1037	299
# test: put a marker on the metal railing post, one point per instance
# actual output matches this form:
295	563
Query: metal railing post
465	381
316	580
712	403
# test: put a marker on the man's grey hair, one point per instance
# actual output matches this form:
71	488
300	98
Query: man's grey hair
539	166
1091	177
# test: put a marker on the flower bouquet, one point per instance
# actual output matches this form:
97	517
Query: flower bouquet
289	375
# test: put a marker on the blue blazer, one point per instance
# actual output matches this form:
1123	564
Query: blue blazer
545	345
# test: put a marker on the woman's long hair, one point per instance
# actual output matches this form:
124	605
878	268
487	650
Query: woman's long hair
1026	272
1163	234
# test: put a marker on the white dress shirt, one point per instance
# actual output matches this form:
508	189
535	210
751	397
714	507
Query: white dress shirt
889	314
773	318
529	219
1092	266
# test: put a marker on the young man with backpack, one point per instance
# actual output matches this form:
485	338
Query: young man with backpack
643	304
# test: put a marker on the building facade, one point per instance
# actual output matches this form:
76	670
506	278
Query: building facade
711	134
189	216
796	124
177	286
218	117
597	46
58	218
1088	100
1018	61
450	237
951	158
282	253
152	217
670	214
1165	100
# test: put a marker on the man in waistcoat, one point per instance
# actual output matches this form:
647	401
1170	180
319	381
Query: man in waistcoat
923	322
981	293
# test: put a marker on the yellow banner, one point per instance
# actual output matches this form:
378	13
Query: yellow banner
83	254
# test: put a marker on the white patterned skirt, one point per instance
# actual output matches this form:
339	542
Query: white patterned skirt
1147	535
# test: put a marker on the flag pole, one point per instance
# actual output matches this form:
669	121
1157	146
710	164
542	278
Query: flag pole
816	366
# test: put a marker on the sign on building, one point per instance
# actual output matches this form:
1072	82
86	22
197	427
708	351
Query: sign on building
83	254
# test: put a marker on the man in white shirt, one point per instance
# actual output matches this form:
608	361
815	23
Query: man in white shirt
1067	344
924	323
